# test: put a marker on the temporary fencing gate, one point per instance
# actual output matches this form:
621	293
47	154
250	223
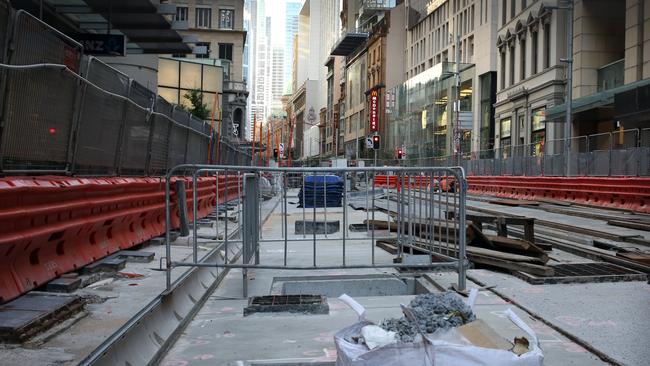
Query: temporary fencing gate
425	209
67	113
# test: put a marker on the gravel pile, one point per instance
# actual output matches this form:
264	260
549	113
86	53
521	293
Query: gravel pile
433	312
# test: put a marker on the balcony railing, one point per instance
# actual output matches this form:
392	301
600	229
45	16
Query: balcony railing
611	76
238	86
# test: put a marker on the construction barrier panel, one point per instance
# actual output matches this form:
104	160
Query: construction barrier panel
53	225
623	192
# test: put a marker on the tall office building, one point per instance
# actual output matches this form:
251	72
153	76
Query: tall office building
291	28
277	78
259	62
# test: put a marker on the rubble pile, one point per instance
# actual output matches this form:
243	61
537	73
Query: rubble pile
432	312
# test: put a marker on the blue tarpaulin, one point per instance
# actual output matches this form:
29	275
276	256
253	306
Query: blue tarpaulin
321	191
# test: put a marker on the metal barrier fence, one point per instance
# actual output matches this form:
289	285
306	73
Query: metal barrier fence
425	211
625	153
66	113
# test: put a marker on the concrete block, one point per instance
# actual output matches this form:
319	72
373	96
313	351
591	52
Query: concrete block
87	279
63	284
110	264
317	227
157	241
134	256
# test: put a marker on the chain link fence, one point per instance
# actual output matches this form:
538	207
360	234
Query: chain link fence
619	153
67	113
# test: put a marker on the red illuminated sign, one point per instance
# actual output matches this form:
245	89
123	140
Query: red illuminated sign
374	111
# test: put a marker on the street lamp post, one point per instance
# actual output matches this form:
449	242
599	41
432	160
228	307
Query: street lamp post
568	6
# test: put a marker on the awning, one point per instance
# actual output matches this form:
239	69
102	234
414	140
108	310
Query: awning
148	26
592	101
348	43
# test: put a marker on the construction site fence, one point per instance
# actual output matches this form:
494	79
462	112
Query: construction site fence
624	153
426	215
63	112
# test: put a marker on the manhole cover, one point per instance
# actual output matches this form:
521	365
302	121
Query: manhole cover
585	272
308	304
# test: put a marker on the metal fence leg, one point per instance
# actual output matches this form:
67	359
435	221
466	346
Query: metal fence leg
462	237
250	242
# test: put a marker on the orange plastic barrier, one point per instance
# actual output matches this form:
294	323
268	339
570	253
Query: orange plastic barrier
445	183
53	225
624	192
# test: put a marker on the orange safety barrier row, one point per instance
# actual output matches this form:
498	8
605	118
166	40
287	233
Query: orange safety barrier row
53	225
413	182
625	192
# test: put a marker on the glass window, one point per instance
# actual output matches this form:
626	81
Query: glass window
522	73
203	17
170	94
505	127
168	73
505	138
206	53
512	65
535	53
225	51
212	79
539	119
466	95
190	75
503	70
547	45
226	19
181	13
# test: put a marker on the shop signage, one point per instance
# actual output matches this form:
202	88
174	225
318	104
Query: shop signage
374	110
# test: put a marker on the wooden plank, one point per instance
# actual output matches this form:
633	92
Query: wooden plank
508	202
630	224
505	256
390	248
518	246
553	202
510	243
637	257
535	269
480	239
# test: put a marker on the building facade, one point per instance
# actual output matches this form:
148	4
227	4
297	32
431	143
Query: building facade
439	34
364	45
610	69
218	27
292	8
531	77
318	27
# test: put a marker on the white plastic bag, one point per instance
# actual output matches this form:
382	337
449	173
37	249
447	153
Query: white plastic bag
376	336
451	354
436	350
394	354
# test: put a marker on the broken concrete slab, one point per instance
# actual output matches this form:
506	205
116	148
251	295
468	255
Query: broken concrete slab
317	227
63	284
35	312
